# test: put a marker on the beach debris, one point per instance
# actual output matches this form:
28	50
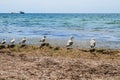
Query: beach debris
11	46
2	46
57	48
70	42
44	44
84	50
22	45
92	50
105	51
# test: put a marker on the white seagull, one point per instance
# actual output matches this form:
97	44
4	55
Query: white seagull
23	40
70	41
3	41
12	41
92	43
43	39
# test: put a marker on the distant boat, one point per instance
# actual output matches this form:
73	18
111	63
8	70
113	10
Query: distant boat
21	12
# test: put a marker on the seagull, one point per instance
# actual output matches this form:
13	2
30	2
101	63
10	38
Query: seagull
3	41
70	41
92	43
12	41
23	40
43	39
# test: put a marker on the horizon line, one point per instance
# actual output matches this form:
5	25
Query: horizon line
62	12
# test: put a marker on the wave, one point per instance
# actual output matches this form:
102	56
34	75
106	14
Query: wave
113	22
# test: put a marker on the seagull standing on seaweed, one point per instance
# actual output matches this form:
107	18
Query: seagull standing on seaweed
92	43
3	41
12	41
23	40
43	39
70	41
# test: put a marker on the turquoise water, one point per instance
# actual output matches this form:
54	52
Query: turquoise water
102	27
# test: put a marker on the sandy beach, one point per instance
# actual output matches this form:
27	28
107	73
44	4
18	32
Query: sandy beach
58	63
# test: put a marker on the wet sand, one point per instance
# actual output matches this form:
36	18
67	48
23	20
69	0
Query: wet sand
56	63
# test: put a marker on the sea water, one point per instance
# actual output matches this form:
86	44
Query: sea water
105	28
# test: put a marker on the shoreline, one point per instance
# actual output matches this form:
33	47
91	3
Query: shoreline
78	43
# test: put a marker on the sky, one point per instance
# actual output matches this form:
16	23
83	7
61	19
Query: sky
60	6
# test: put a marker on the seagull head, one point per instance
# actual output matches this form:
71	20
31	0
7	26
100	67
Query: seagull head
44	36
